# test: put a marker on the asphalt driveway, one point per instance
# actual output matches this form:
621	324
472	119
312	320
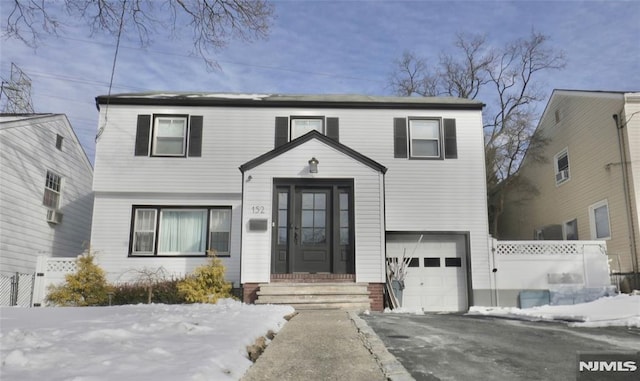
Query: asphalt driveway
459	347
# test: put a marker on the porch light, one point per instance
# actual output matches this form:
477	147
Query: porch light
313	165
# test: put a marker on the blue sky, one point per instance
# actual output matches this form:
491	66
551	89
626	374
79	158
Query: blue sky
327	47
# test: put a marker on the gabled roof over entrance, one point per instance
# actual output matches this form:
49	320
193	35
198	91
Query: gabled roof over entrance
307	137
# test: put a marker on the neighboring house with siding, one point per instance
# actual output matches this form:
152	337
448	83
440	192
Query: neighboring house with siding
589	188
287	188
46	199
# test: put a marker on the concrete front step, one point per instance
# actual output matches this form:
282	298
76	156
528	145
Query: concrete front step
346	296
313	288
312	298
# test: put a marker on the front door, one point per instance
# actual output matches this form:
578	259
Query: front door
312	231
312	228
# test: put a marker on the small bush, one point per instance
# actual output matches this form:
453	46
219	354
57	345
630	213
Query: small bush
86	287
163	291
206	284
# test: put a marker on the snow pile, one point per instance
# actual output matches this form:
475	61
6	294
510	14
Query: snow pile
142	342
620	310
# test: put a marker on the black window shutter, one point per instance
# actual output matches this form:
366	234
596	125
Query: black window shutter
450	140
195	136
333	130
400	137
142	135
282	131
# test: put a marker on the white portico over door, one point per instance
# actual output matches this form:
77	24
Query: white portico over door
330	221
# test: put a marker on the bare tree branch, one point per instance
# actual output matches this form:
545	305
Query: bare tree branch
506	80
212	22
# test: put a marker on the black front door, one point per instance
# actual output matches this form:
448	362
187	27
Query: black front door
313	227
312	232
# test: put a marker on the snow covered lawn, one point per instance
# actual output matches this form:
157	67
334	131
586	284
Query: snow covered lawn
142	342
619	310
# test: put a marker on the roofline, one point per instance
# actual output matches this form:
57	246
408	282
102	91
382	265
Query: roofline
305	138
50	116
274	102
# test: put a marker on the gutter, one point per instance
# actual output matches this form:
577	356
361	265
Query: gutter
627	199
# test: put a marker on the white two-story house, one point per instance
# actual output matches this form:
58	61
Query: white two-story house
296	188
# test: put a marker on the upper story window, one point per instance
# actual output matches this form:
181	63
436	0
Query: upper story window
561	163
169	136
289	128
425	138
599	220
300	127
59	139
52	190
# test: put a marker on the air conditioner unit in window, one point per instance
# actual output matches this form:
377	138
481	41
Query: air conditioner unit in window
54	216
562	176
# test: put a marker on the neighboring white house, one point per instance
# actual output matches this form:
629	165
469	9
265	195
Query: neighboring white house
46	199
286	187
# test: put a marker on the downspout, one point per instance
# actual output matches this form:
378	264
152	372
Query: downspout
627	198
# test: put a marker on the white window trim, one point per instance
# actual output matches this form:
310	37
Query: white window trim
58	191
154	138
566	176
155	223
592	219
439	140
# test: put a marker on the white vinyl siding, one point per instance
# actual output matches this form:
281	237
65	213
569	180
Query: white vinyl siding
112	229
27	151
421	195
368	206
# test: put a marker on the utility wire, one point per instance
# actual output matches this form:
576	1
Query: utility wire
113	70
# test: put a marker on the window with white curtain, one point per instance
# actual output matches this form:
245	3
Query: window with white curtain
181	231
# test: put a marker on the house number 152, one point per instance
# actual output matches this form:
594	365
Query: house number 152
259	209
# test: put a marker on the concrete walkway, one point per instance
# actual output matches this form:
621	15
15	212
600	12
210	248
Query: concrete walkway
317	345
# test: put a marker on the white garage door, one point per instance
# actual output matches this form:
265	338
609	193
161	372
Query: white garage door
436	279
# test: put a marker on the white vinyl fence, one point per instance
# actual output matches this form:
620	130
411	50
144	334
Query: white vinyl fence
50	271
529	273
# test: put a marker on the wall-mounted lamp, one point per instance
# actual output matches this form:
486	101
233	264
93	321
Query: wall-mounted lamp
313	165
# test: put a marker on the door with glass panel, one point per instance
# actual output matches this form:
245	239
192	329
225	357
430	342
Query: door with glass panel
313	229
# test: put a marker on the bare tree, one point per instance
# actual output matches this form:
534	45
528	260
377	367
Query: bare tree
212	23
505	80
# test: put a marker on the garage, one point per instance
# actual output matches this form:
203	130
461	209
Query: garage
436	279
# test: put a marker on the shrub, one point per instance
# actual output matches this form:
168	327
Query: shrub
206	284
164	291
86	287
